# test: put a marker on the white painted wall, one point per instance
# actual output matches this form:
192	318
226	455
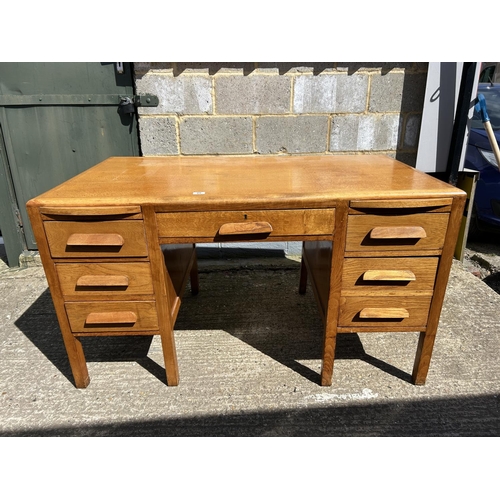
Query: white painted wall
441	94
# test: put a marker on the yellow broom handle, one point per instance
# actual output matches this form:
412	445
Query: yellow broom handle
493	142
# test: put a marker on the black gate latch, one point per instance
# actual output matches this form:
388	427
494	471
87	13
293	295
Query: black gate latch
126	106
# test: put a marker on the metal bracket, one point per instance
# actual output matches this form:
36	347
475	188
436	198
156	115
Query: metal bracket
144	100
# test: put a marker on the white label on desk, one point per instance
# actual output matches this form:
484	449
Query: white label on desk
198	192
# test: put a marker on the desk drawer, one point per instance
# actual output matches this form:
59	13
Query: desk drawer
421	231
258	224
389	276
96	239
89	317
384	311
104	279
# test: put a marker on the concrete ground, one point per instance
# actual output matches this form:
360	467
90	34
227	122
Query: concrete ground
249	358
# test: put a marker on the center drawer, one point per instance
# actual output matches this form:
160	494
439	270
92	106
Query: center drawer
258	224
96	238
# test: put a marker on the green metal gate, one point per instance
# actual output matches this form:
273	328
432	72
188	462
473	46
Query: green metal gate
56	120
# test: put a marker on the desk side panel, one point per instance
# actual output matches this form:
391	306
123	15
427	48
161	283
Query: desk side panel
317	256
73	345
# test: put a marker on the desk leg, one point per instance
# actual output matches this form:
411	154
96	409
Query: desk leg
328	354
426	340
303	274
170	357
423	357
193	274
332	310
73	345
77	362
159	273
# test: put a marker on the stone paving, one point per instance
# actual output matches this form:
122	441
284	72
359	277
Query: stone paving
249	357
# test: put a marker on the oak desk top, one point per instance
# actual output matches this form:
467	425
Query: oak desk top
235	182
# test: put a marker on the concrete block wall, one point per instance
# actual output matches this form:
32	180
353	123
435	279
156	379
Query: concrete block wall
277	108
282	108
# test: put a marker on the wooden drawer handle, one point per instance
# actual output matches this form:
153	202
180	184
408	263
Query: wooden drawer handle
397	232
102	280
234	228
384	313
386	275
111	318
100	240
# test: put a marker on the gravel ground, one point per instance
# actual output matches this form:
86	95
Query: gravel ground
482	259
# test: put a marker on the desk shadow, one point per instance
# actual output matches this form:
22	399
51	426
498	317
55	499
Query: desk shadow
261	307
264	309
457	416
39	324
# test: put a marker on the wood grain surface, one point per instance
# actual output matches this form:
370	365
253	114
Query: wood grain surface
233	182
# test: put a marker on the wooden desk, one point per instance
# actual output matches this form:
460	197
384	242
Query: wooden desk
378	243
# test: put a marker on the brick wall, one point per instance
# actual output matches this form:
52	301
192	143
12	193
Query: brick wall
276	108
